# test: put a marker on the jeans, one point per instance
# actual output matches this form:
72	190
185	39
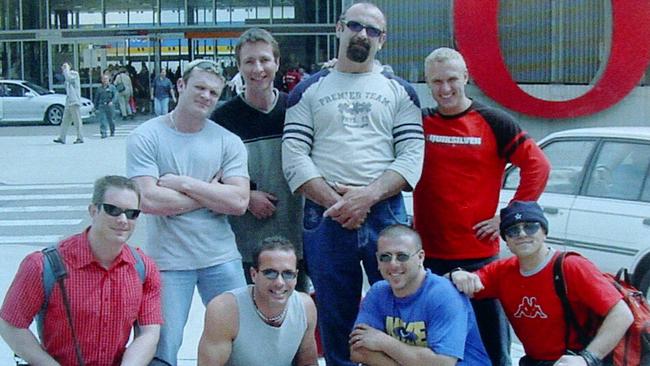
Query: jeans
160	106
333	254
490	317
177	291
105	116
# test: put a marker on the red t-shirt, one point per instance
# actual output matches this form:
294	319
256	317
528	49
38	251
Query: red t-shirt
533	307
104	302
464	160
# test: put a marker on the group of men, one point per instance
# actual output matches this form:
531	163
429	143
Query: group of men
226	200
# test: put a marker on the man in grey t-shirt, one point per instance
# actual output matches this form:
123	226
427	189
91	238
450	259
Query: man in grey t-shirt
72	110
192	173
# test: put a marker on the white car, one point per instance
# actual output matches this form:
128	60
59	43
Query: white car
597	199
24	101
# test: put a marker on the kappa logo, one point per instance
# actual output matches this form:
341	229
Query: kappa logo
530	309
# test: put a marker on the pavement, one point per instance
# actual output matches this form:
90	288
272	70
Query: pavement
36	160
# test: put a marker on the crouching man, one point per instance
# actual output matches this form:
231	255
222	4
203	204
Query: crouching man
524	285
267	323
109	286
414	317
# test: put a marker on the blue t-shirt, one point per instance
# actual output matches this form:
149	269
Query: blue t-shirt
161	88
436	316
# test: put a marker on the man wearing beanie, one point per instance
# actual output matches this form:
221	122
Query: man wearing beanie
524	285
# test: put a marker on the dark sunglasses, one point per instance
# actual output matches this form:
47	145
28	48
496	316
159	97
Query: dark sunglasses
401	257
272	274
115	211
358	27
530	228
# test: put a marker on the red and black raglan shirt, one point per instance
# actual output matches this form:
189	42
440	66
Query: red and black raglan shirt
464	161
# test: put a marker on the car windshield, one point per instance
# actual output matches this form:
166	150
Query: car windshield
37	88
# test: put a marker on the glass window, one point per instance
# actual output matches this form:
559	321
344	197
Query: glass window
14	90
568	158
620	171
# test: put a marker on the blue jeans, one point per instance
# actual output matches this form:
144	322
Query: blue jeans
490	317
333	254
160	106
105	116
177	292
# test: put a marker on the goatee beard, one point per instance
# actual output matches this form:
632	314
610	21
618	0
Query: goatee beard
358	50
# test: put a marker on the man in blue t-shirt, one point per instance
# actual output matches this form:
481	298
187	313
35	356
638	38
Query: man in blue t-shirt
414	317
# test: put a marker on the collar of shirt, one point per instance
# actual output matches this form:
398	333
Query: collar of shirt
78	254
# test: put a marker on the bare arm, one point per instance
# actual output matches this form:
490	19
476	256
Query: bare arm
372	358
228	196
23	342
352	210
609	334
466	282
220	329
365	336
162	201
320	192
143	347
307	353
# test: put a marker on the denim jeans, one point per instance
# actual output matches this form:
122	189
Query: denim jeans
160	106
333	255
177	292
490	317
105	116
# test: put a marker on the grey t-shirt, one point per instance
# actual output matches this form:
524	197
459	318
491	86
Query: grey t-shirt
200	238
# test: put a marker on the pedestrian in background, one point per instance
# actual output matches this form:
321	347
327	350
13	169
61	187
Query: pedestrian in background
104	99
124	89
72	110
162	89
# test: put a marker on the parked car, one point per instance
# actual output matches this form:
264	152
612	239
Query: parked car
597	199
24	101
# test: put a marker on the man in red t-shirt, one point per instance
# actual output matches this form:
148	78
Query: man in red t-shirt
106	291
524	285
467	146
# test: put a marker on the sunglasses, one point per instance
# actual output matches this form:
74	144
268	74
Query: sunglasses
358	27
272	274
115	211
401	257
530	228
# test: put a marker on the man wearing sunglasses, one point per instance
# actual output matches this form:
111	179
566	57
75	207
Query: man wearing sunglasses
192	173
352	142
414	317
267	323
524	285
105	290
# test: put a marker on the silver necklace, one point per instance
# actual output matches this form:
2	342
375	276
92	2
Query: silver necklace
275	320
171	119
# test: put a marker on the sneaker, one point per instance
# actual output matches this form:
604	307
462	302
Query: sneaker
104	136
78	141
59	141
112	134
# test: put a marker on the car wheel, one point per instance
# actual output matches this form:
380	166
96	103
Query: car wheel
54	115
644	284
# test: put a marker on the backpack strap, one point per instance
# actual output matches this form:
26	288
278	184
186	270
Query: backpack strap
560	289
139	263
54	271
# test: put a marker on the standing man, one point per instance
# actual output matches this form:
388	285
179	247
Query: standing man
72	110
267	323
524	284
105	289
467	146
352	142
104	99
414	317
257	117
125	91
192	174
160	92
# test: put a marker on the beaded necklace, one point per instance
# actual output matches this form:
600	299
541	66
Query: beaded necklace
275	320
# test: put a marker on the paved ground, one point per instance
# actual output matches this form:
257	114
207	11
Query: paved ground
35	173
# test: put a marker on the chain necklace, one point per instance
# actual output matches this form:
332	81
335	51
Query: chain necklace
171	119
275	320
